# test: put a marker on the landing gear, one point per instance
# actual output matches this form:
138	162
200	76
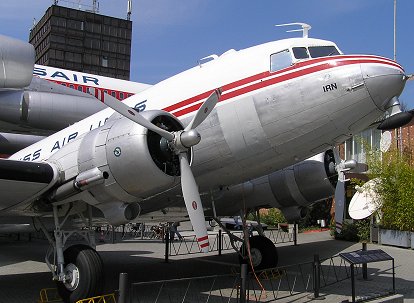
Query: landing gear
76	267
263	253
83	274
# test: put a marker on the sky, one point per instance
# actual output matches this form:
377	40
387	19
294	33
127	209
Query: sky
170	36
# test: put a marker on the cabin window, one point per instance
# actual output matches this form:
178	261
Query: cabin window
121	96
280	60
323	51
300	52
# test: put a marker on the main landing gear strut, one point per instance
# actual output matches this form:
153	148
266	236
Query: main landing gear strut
76	267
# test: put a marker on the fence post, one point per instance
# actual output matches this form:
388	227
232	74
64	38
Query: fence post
113	234
219	242
295	238
123	287
316	279
167	245
364	265
243	276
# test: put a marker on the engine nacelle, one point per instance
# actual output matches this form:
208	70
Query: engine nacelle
136	163
294	213
17	62
306	182
44	110
291	189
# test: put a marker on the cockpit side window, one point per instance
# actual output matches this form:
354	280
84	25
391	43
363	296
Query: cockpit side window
323	51
280	60
300	52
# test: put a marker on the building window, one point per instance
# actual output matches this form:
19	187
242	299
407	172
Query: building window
105	61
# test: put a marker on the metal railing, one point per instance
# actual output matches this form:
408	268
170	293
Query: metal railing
220	241
263	286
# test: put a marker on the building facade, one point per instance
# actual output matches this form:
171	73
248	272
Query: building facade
83	41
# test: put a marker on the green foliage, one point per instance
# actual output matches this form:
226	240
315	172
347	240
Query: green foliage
317	211
273	217
349	232
363	229
396	188
359	230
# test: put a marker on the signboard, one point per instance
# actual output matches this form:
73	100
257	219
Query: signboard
366	256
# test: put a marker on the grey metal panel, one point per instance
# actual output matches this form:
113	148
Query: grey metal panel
17	62
13	192
11	143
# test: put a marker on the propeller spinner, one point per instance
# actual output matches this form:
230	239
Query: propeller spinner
180	141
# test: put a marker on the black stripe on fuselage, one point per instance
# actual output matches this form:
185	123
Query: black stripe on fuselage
26	171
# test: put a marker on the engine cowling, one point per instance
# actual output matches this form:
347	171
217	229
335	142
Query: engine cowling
306	182
17	61
44	110
291	189
137	163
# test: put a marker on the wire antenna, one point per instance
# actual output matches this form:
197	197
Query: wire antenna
305	28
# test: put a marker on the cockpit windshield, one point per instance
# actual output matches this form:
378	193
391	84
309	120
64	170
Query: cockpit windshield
323	51
314	51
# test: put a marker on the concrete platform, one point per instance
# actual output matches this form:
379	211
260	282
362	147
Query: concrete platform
23	271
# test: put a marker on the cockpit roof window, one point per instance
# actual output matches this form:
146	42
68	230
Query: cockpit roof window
300	52
323	51
280	60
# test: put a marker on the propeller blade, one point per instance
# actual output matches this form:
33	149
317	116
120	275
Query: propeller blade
193	203
339	203
339	191
205	109
135	116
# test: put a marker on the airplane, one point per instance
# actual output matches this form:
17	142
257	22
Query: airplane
223	128
33	108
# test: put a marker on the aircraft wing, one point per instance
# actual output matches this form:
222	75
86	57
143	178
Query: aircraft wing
21	182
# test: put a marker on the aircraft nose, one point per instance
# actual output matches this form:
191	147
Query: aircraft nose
384	80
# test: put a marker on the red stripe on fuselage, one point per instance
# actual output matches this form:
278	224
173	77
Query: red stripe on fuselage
298	70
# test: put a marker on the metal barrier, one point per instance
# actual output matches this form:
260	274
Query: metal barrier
267	285
221	242
49	295
109	298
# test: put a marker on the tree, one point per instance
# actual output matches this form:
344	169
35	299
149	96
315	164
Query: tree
396	188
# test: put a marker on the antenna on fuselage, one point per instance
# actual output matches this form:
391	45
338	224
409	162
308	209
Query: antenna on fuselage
305	28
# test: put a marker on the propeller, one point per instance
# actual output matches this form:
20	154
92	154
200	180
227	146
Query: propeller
180	141
341	167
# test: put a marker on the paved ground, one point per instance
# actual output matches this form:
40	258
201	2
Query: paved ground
23	271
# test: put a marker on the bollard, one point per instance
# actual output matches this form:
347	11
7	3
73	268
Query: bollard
243	276
364	265
167	245
123	287
219	242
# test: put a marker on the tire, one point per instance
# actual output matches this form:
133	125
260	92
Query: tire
263	252
86	266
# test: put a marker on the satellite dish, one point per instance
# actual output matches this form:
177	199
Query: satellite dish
385	141
365	201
